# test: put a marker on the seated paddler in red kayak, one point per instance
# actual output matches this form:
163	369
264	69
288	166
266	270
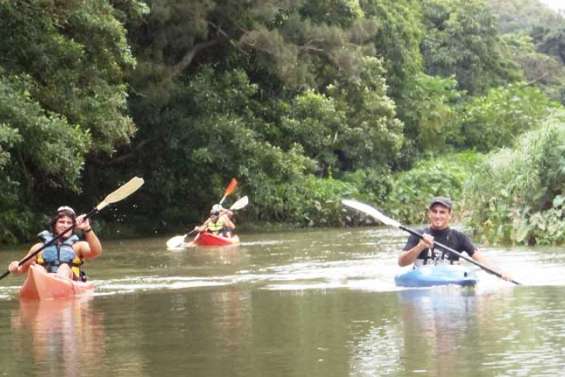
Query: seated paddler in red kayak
219	222
64	256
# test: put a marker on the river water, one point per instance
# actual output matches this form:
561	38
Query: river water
304	303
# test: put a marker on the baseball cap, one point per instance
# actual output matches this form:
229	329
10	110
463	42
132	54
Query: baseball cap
443	200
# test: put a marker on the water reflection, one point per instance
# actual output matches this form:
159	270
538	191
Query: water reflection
204	256
231	308
292	304
438	331
435	324
65	335
443	326
193	333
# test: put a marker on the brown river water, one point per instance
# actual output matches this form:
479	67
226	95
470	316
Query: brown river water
303	303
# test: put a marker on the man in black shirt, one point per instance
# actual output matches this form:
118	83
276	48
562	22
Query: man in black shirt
422	251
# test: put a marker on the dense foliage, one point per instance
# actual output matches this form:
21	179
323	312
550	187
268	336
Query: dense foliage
495	120
304	101
63	96
445	175
517	195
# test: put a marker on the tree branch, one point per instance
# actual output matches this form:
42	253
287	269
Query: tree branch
122	157
189	56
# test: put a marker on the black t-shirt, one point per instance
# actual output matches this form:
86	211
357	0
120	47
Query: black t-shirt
449	237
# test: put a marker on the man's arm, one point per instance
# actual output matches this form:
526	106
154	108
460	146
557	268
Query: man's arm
409	256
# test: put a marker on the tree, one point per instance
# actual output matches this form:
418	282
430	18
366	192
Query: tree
432	122
462	40
62	83
515	16
541	70
497	119
268	91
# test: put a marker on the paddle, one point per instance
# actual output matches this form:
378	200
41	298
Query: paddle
240	203
373	212
231	188
177	241
121	193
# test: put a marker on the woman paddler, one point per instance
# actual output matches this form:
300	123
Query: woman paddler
64	256
219	222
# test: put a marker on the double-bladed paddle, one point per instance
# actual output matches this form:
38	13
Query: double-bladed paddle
376	214
178	241
229	189
121	193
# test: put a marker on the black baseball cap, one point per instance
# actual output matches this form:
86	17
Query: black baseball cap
443	200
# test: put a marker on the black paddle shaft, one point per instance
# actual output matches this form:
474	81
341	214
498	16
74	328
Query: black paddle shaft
460	255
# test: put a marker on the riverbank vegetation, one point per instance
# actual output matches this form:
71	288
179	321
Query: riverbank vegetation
305	102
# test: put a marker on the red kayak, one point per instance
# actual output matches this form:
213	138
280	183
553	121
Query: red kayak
209	239
41	285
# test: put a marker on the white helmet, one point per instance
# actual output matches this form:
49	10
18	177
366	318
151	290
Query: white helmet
216	208
66	209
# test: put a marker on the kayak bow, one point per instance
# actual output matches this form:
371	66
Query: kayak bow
209	239
441	274
41	285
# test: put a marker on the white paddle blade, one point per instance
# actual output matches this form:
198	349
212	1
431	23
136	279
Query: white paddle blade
123	192
176	242
240	203
371	211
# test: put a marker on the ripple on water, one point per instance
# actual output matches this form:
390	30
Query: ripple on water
263	243
128	285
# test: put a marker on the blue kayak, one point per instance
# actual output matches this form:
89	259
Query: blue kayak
440	274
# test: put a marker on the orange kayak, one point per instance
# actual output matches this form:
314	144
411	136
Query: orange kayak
209	239
41	285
